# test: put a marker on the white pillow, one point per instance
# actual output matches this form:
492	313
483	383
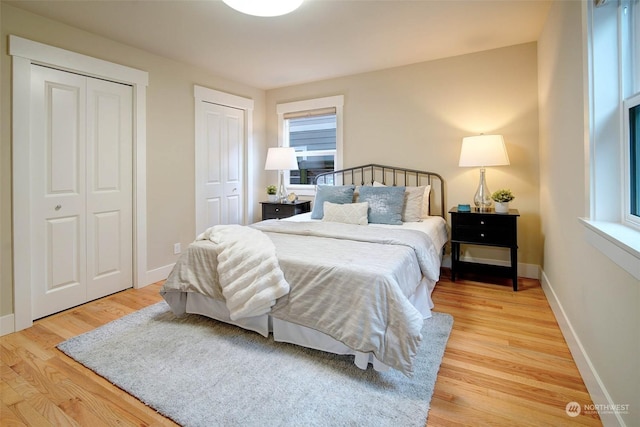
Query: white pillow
425	201
348	213
412	209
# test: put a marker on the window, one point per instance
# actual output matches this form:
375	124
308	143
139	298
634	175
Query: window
613	225
630	76
314	129
313	136
632	187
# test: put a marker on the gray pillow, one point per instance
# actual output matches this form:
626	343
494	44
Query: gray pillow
385	204
339	194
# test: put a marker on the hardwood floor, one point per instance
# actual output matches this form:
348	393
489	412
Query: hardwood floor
506	363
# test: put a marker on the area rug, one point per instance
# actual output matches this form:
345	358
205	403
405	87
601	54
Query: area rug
200	372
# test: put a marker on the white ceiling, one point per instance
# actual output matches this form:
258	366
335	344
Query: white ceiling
322	39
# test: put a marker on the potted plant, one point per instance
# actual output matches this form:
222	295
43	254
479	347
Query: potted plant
502	198
271	192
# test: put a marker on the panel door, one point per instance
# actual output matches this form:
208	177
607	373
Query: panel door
109	188
58	214
232	167
75	223
219	166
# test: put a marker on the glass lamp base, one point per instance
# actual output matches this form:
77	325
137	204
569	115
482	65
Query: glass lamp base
282	192
482	198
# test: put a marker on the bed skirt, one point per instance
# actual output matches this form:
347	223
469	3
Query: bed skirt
284	331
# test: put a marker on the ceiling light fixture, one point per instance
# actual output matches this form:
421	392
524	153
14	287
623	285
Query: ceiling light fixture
264	7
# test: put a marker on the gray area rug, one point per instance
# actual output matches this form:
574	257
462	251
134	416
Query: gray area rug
200	372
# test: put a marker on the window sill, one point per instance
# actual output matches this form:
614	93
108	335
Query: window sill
620	243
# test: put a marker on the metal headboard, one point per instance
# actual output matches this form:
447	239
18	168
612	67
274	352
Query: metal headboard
393	176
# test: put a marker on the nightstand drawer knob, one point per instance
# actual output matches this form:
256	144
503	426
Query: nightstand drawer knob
481	234
277	209
482	222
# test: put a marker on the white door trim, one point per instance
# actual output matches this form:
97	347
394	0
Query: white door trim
24	53
203	94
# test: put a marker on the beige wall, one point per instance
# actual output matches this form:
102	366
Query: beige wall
170	135
601	301
416	116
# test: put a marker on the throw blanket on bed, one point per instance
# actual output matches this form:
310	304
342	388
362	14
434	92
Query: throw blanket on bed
248	270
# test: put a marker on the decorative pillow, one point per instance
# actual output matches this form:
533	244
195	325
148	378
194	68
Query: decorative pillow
425	201
413	208
385	204
339	194
352	213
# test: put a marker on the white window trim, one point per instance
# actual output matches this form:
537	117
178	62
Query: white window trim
617	241
606	227
312	104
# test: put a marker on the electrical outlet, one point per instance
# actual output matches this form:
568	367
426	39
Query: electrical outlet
176	248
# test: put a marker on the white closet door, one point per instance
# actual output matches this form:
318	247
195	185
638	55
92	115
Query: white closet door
109	188
77	211
219	166
232	164
58	214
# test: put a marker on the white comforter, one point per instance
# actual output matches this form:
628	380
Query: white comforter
352	283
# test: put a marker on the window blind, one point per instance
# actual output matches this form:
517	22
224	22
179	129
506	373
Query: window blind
330	111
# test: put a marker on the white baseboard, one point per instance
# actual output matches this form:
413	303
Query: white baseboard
158	274
530	271
596	388
7	325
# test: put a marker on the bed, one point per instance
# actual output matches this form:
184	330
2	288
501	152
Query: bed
353	276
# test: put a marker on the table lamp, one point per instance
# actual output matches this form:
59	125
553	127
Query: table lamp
481	151
281	159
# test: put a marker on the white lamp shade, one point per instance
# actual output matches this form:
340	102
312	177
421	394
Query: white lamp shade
281	158
264	7
483	150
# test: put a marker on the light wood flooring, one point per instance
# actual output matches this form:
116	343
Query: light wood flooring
506	364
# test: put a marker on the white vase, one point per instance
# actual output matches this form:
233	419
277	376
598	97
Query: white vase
502	207
272	197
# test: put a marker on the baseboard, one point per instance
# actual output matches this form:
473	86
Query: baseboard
530	271
158	274
7	325
596	388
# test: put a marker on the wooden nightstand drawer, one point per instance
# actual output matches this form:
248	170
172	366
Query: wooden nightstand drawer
481	220
284	210
484	235
275	211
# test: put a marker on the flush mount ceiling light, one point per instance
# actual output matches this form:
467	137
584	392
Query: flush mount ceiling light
264	7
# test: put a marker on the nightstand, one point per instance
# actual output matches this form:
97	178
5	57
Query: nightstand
487	229
275	210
